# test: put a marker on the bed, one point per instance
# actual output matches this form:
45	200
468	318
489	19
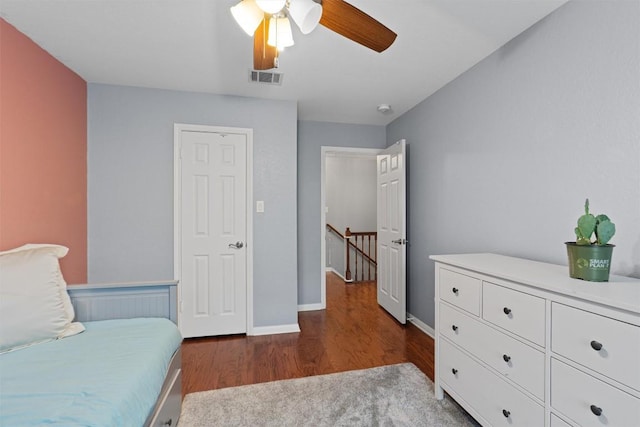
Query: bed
101	372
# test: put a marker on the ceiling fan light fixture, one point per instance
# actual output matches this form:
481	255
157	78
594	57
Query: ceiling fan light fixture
248	15
271	6
306	14
280	34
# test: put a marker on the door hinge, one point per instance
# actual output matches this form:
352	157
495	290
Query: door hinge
181	306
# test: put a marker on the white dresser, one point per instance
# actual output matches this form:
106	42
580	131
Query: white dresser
519	343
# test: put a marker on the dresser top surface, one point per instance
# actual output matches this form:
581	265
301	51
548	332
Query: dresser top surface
620	292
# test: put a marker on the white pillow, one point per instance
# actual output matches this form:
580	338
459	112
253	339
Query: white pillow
34	304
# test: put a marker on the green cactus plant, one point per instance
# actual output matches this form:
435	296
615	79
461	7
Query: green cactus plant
594	230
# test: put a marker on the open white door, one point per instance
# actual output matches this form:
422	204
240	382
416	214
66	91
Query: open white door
392	238
211	257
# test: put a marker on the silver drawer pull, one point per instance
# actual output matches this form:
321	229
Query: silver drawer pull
596	345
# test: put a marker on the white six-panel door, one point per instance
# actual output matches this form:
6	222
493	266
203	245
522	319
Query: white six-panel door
213	232
391	182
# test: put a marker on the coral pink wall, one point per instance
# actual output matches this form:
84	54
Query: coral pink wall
43	152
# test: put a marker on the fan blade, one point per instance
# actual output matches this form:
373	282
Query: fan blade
264	56
354	24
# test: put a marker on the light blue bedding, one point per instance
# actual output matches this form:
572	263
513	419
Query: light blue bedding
109	375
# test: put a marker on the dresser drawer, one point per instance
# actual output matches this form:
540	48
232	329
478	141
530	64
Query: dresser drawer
460	290
574	330
494	399
515	311
514	360
557	422
577	395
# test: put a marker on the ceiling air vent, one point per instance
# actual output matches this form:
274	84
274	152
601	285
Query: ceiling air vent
266	77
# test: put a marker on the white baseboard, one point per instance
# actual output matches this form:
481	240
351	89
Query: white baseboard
333	270
277	329
421	325
311	307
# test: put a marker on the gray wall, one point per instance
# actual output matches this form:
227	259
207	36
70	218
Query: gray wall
335	255
350	192
502	158
311	137
130	187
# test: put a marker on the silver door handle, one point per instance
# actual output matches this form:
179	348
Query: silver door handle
400	241
236	245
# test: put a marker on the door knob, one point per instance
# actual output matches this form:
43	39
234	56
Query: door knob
400	241
236	245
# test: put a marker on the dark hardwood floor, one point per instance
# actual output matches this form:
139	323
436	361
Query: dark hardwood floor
352	333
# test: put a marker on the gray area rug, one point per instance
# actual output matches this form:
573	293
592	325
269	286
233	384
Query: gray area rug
395	395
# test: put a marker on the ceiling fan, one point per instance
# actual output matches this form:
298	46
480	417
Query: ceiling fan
268	22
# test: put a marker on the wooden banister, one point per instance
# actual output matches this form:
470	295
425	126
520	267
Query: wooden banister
332	228
360	251
347	237
365	247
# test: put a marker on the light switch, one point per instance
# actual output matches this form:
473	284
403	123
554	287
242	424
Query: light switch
260	206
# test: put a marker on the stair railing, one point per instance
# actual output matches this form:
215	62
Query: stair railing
364	246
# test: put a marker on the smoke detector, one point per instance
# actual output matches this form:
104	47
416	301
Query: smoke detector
384	108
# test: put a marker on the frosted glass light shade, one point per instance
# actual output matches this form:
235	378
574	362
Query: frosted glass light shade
248	15
306	14
271	6
280	34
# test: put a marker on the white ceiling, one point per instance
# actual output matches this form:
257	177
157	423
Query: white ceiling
195	45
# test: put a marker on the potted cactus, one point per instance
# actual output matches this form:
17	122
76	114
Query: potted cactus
590	254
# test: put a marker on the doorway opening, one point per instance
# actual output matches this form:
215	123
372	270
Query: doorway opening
338	164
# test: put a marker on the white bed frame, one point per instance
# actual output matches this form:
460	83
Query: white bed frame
128	300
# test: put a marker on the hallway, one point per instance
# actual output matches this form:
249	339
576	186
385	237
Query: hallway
352	333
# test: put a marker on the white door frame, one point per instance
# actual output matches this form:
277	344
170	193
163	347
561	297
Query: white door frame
177	210
324	150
